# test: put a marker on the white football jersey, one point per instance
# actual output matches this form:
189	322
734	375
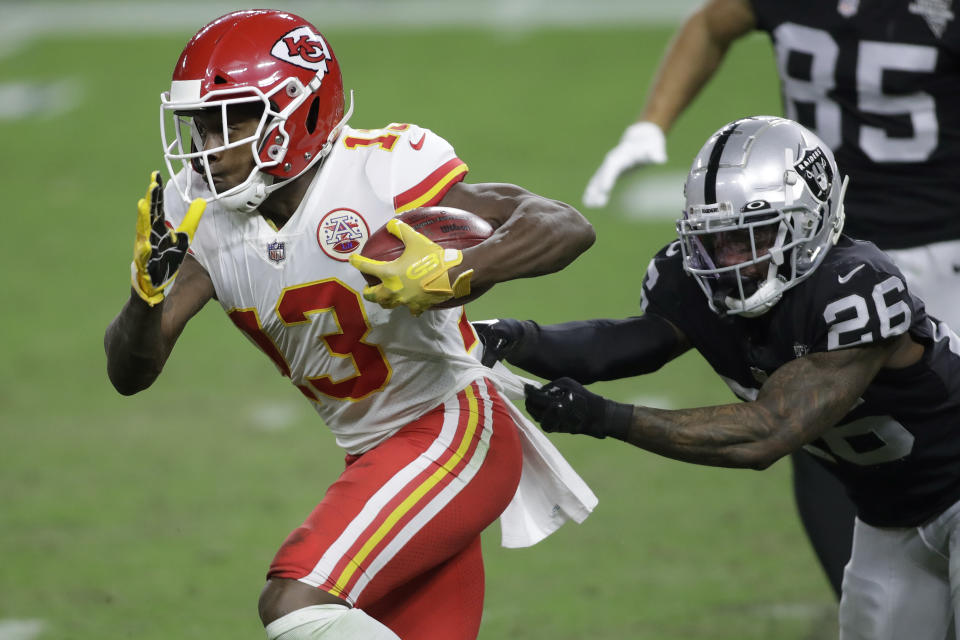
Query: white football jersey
367	370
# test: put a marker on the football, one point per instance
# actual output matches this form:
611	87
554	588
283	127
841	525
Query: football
450	228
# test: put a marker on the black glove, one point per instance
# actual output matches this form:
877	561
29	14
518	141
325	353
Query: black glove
502	339
565	406
158	251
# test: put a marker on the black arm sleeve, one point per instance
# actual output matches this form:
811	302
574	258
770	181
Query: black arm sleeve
592	350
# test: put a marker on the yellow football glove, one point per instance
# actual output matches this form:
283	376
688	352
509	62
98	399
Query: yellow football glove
158	250
417	279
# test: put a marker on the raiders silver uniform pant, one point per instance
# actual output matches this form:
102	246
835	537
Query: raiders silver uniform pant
933	274
903	582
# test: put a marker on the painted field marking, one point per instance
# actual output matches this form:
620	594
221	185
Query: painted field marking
23	22
14	629
658	196
20	100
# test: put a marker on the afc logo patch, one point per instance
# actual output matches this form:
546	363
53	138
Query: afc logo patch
815	170
341	232
304	48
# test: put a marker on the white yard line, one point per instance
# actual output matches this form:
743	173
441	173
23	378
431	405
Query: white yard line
21	629
273	416
22	99
22	22
654	401
652	196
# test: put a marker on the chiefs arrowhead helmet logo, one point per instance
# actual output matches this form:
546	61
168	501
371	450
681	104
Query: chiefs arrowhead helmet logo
303	47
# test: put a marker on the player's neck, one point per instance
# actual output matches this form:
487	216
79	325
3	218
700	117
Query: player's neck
280	205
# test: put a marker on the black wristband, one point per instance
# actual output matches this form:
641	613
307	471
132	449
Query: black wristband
617	418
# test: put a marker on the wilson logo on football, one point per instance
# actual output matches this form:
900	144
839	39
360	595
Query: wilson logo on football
341	232
304	48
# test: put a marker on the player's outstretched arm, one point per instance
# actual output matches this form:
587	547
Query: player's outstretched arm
533	235
585	350
691	59
797	403
139	339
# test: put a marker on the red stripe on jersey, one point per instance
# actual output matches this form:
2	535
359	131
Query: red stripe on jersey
432	188
466	332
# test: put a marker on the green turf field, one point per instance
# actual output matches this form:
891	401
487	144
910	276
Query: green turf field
154	517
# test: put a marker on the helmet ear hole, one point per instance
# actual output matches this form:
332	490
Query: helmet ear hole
312	115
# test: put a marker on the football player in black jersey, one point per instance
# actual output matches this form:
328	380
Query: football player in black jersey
820	337
879	82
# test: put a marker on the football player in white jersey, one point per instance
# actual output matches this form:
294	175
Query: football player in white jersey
256	142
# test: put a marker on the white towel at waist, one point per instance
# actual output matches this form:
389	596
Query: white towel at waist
550	491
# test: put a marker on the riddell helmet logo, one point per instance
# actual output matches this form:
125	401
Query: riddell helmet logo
304	48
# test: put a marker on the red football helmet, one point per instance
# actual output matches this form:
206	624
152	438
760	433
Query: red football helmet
259	57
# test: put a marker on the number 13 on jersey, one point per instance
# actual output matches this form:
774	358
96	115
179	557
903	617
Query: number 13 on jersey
295	306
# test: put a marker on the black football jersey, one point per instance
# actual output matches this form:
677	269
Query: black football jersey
898	450
879	82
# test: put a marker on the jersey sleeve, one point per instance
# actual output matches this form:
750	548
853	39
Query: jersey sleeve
665	289
767	14
417	170
860	301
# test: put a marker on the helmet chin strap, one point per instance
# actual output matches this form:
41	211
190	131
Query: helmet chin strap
768	293
761	301
260	184
251	195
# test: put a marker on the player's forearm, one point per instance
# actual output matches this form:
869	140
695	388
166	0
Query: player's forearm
732	435
800	401
692	58
135	347
541	236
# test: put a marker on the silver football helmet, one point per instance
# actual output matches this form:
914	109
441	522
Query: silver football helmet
764	204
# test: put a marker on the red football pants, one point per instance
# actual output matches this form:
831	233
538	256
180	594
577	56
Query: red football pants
398	533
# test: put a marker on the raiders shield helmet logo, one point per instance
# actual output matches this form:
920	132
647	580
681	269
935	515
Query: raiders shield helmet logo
815	170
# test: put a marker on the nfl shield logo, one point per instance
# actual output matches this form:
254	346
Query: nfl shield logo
848	8
275	251
936	13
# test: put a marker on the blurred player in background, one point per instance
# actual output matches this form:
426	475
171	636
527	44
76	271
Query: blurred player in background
256	142
820	337
879	83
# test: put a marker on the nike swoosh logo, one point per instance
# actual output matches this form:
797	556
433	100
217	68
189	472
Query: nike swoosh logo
417	145
844	279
